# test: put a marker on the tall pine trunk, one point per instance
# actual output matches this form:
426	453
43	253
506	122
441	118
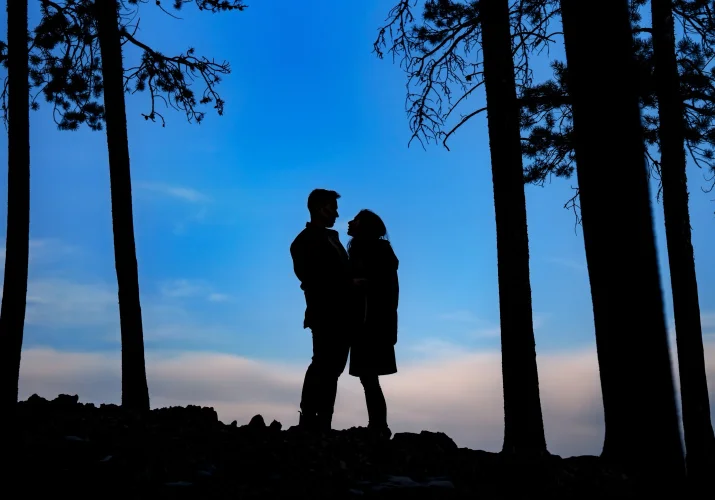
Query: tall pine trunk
135	394
14	298
699	439
523	423
636	379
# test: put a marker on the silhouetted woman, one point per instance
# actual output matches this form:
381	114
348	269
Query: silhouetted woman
372	352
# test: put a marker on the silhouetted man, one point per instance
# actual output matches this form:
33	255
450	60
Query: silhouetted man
321	264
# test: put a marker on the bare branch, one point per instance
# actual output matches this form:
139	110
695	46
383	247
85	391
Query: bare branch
441	57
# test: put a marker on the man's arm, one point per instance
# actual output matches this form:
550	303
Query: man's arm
306	265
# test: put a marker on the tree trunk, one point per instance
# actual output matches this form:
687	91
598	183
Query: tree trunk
135	394
636	379
699	438
14	299
523	423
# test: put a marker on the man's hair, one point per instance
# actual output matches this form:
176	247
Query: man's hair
318	198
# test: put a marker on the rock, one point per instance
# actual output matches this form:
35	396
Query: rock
435	441
110	408
36	400
257	422
183	452
65	400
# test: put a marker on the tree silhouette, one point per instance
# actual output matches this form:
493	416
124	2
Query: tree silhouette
677	93
135	393
14	298
636	379
441	60
75	61
698	430
523	421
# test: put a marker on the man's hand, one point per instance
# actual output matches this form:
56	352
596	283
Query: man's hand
358	282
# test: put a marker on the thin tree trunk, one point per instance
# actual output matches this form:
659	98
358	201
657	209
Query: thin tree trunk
14	299
638	396
699	438
135	394
523	422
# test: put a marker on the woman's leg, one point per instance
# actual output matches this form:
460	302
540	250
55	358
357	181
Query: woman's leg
375	399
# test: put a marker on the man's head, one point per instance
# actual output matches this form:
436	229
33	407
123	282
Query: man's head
323	207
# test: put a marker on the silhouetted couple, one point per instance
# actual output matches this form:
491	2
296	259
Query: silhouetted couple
351	308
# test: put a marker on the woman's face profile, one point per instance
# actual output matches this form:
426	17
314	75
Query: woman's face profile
353	226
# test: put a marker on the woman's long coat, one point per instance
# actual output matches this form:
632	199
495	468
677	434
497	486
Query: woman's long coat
375	335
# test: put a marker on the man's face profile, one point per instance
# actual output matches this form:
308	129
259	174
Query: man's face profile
330	213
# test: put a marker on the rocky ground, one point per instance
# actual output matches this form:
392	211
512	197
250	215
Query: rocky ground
79	450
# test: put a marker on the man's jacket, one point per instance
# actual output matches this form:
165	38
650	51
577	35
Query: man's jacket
321	264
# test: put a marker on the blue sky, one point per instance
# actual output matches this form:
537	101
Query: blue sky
217	205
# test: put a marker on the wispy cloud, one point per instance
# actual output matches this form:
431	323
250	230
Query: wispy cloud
461	316
62	303
707	320
219	297
58	303
568	263
434	348
481	328
199	216
179	192
486	333
183	288
45	251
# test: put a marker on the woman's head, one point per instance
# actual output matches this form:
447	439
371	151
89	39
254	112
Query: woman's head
367	225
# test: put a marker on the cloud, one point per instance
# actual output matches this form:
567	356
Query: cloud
571	264
483	329
434	348
183	289
45	251
461	316
219	297
57	303
480	328
181	193
198	213
492	331
708	323
63	303
456	391
487	333
44	248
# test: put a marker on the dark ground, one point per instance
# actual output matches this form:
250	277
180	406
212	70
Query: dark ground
74	450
